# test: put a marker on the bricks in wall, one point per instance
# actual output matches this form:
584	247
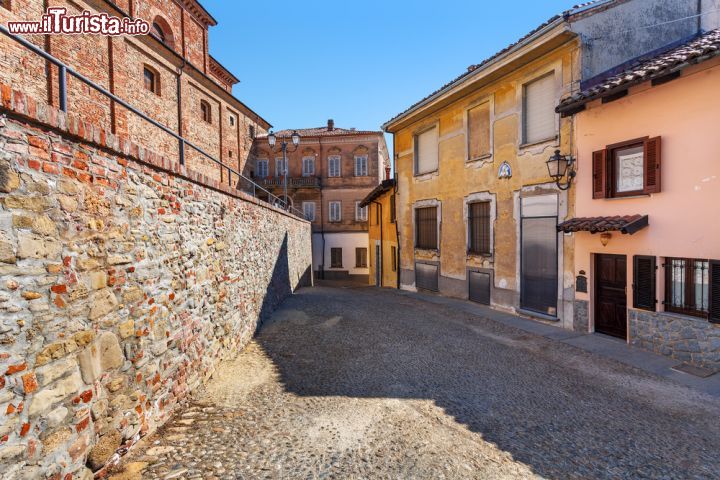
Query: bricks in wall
122	286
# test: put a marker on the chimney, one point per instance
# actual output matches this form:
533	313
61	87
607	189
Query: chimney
387	172
331	125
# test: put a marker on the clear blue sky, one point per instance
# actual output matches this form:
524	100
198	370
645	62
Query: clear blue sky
359	63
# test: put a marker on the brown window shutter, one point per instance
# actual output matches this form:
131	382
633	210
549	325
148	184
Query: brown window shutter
652	165
599	169
714	308
644	282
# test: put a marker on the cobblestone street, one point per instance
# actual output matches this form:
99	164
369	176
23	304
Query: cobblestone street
362	383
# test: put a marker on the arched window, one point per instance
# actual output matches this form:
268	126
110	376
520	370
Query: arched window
205	111
162	31
151	79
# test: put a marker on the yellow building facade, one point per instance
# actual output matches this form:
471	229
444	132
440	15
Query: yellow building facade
476	207
383	229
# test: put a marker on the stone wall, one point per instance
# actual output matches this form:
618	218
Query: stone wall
688	339
124	280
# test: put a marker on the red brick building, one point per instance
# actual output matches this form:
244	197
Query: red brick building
169	75
329	174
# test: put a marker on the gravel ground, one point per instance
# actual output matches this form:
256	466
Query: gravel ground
362	383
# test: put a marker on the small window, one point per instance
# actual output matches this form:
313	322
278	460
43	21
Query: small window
426	151
309	211
360	212
687	286
336	258
5	4
426	228
162	31
479	228
361	258
279	170
627	168
262	168
205	111
335	211
232	121
393	259
230	153
539	109
159	32
361	166
478	131
392	209
151	79
334	166
251	131
308	165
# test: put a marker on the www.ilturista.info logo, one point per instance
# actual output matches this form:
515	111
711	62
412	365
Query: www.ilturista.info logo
57	21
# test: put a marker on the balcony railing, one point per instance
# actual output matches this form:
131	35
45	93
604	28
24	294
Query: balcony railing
293	182
243	184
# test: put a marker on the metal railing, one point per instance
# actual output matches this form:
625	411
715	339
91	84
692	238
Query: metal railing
64	70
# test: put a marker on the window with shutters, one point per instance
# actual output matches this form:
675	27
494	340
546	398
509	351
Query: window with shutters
334	162
360	213
262	168
627	169
426	223
279	170
714	304
308	166
392	209
361	258
479	228
478	131
644	282
361	166
687	286
335	209
336	258
309	211
426	151
393	258
539	118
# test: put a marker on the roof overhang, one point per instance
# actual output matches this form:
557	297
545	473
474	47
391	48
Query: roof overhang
542	42
384	187
626	225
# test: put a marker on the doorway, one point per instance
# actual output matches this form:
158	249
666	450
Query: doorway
539	255
611	295
378	266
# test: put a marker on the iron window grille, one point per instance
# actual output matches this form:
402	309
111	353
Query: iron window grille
479	228
687	286
426	228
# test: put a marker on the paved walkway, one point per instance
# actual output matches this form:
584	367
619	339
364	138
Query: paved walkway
363	383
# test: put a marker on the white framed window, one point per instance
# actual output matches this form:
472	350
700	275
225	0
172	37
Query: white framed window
426	151
539	109
308	166
360	213
334	166
279	170
261	168
335	211
309	211
361	166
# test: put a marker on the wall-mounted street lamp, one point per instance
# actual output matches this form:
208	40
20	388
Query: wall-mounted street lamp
272	141
560	167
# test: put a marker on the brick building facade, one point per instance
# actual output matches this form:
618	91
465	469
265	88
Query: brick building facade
330	173
169	75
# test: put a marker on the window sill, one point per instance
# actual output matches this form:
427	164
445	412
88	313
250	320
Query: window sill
479	256
626	197
426	174
479	159
527	145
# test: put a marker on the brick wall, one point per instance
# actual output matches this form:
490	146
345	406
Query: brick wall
117	65
124	280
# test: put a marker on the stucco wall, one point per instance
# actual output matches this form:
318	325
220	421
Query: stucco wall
682	216
122	285
382	232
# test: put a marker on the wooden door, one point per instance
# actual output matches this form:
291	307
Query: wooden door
611	295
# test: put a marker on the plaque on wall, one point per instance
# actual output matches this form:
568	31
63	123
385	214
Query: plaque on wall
581	284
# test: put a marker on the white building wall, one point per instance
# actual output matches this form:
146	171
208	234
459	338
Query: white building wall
348	242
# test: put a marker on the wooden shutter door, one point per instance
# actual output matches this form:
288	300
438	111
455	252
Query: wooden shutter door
652	165
714	310
644	282
599	173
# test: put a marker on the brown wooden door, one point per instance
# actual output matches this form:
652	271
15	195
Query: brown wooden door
611	295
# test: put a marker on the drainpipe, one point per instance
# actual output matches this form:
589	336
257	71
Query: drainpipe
397	227
322	218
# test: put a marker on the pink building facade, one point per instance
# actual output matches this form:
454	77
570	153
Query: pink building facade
647	214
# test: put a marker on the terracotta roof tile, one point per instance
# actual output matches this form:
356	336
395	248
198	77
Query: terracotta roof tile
324	132
699	49
626	224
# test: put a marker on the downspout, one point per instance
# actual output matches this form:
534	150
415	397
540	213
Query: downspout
699	16
397	228
322	218
179	97
378	264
